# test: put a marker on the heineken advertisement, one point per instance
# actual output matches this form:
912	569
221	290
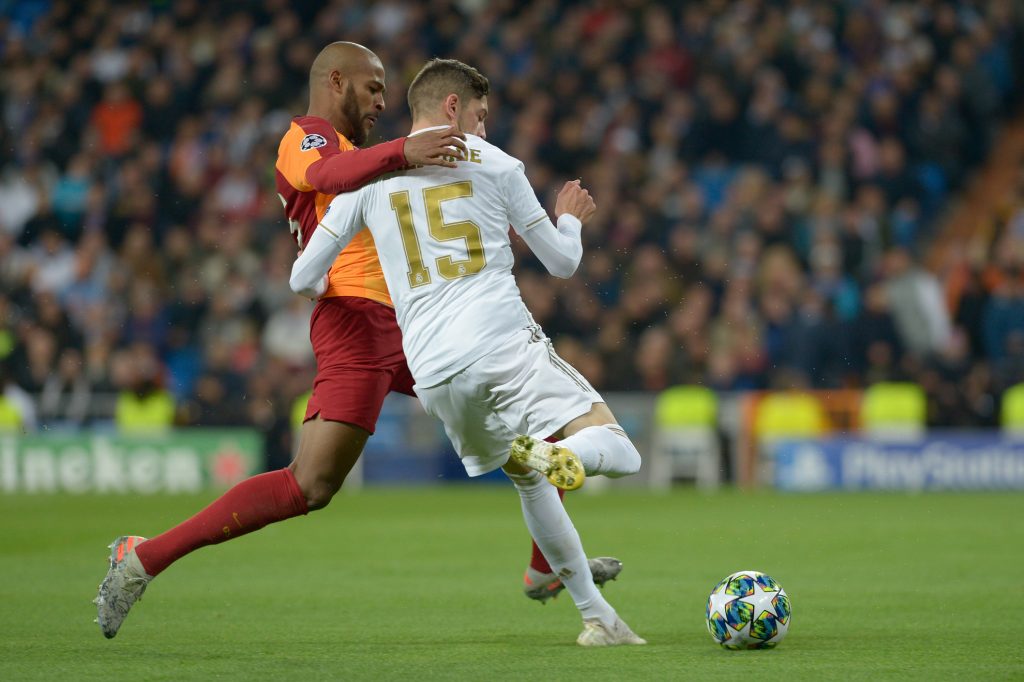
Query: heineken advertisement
181	461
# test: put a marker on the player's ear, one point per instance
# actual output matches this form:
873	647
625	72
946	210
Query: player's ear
451	107
336	81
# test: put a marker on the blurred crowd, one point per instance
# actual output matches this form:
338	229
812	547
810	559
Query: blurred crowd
769	176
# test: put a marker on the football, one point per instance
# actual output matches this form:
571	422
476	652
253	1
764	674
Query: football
748	610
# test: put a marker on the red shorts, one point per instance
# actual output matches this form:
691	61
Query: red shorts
359	359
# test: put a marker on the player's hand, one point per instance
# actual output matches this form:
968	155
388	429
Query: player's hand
576	200
436	147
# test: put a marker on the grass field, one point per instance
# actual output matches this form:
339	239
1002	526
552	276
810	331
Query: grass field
424	584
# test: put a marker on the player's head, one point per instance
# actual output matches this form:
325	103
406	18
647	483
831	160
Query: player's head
448	90
346	82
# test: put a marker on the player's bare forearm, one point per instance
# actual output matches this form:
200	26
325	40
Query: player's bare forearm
346	171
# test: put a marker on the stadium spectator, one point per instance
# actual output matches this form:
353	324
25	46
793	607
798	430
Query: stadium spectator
143	406
67	391
284	336
117	116
1003	319
17	409
915	300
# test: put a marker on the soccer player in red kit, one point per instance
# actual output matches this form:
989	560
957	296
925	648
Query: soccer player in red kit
355	336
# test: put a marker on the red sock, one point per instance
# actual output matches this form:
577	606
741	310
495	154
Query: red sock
537	560
250	505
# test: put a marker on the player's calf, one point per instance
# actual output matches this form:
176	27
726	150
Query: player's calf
327	452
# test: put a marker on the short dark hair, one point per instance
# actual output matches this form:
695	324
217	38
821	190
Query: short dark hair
441	77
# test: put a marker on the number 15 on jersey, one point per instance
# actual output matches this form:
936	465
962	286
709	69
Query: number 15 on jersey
447	266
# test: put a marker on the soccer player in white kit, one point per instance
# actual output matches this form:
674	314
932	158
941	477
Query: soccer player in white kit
481	363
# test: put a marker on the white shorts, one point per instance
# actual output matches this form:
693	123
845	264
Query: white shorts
524	388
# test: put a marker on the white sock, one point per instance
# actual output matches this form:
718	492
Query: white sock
604	450
552	530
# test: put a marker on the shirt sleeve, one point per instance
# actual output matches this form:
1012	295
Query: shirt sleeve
524	211
307	141
310	158
559	249
342	222
345	171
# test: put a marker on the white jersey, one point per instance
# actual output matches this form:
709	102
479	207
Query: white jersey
443	243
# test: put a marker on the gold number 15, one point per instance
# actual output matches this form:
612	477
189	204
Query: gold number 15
447	267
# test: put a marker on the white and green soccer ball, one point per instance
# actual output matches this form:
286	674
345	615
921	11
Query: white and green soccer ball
748	610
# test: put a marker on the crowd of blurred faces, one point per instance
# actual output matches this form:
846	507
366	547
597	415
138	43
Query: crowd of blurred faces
768	175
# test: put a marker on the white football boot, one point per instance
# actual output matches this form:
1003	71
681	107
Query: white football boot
559	464
125	582
596	633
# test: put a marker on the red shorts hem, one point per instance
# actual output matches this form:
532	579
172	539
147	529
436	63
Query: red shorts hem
359	357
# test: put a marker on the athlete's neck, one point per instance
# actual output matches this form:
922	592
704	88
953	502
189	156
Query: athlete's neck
430	122
338	122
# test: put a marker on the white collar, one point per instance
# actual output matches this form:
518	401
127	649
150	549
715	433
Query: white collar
424	130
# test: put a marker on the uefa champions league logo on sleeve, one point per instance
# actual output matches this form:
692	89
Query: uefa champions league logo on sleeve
312	141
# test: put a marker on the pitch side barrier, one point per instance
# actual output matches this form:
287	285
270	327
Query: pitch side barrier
936	461
795	441
180	461
871	440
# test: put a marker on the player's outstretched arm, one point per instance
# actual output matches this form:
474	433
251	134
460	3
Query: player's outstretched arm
339	171
343	222
561	249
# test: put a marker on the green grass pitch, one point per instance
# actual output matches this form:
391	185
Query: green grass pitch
424	584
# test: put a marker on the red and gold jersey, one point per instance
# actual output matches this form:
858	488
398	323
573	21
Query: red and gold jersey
314	164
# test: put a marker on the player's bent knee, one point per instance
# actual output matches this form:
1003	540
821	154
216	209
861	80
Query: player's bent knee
633	461
627	461
317	489
319	493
